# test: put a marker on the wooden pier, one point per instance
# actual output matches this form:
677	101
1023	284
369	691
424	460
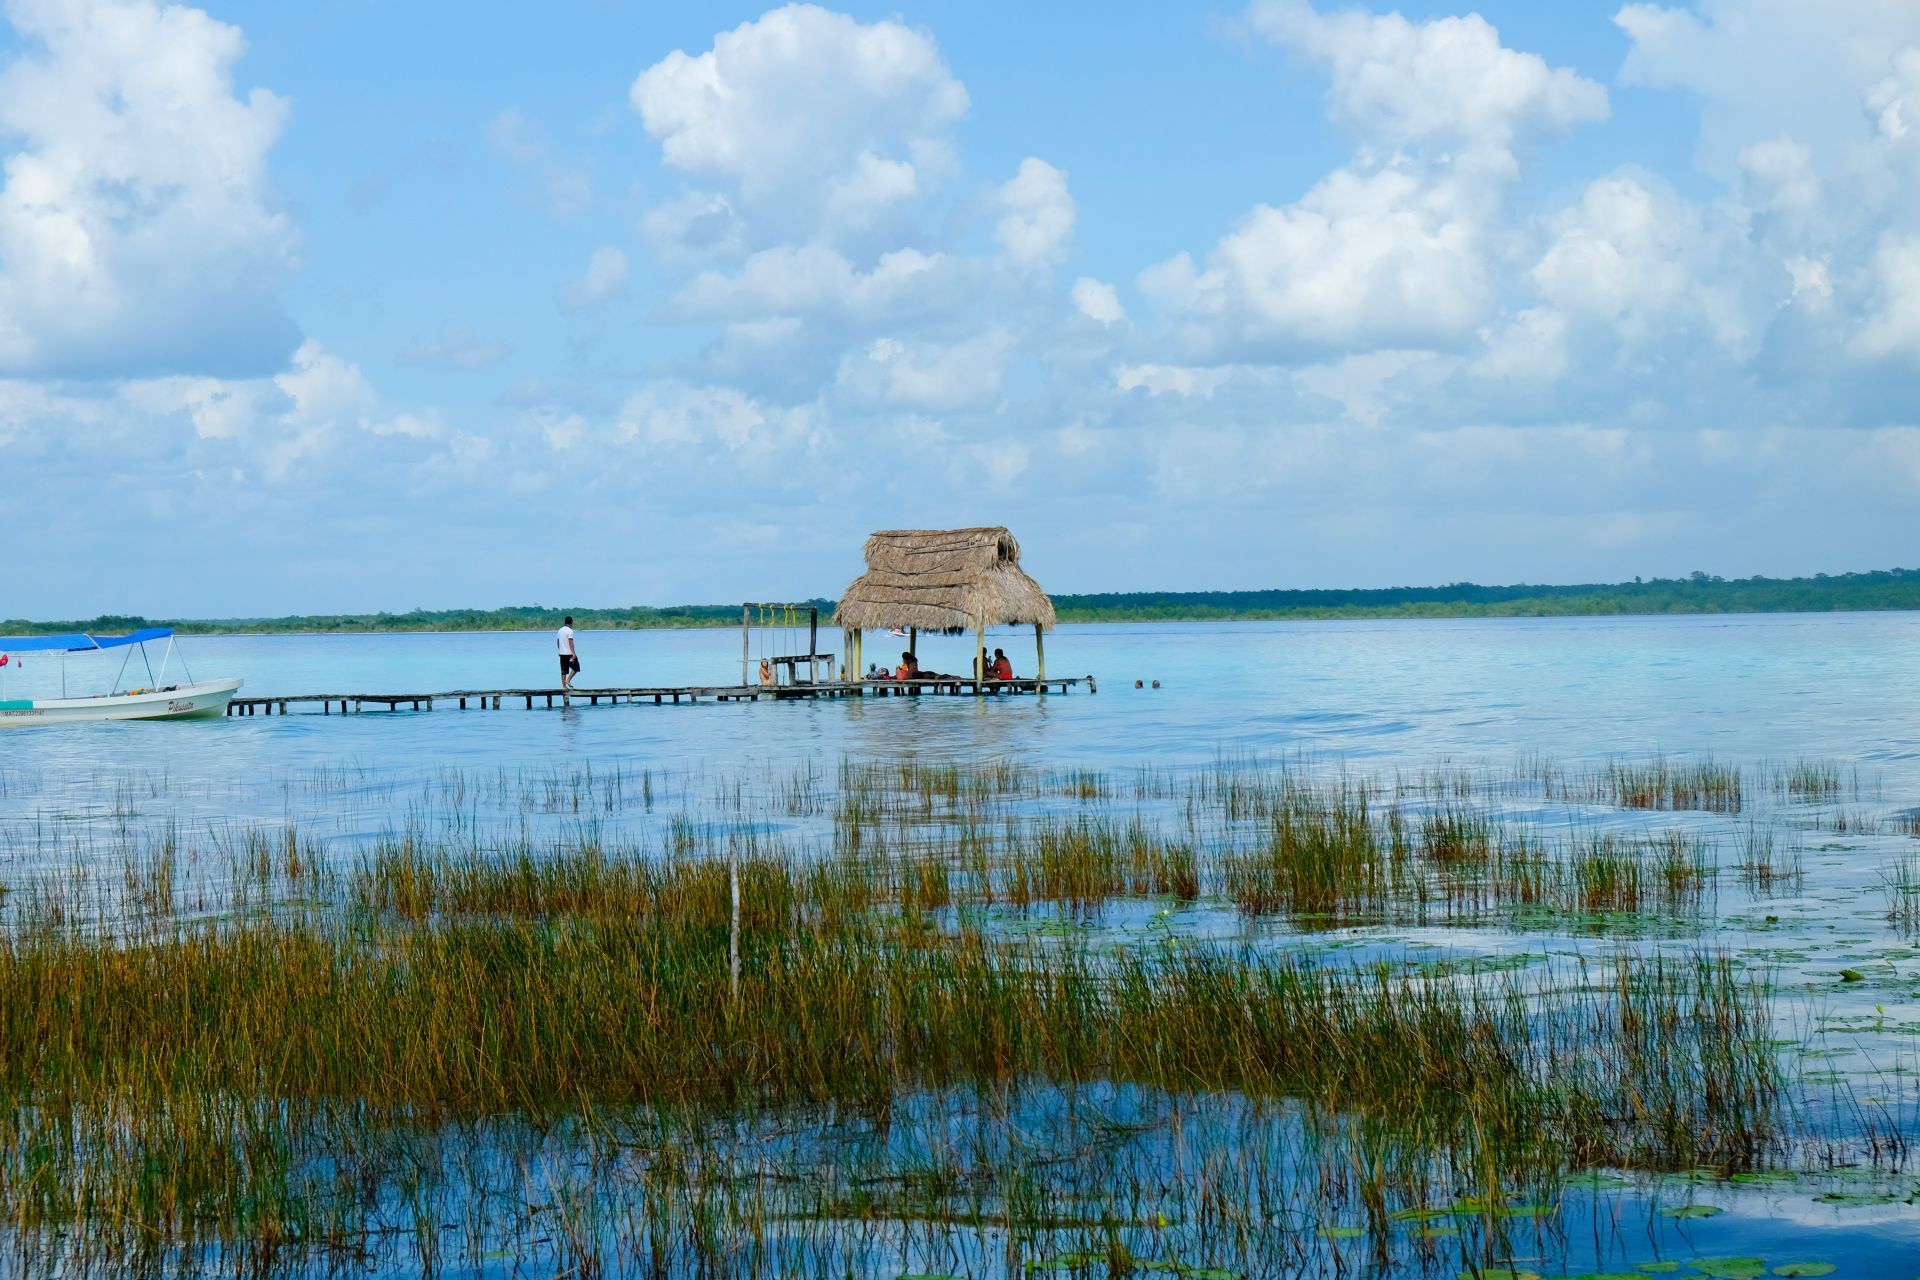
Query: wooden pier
499	699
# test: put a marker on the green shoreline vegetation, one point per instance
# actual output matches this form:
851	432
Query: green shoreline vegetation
1877	590
942	1025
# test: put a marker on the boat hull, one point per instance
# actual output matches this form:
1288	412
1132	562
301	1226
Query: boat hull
189	702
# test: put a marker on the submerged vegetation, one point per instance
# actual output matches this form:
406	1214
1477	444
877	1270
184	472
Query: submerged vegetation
907	1018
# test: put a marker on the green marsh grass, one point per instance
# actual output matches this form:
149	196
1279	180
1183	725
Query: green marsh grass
460	1039
1664	784
1814	782
1901	884
1765	866
217	1080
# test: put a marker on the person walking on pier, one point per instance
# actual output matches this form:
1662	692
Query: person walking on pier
569	656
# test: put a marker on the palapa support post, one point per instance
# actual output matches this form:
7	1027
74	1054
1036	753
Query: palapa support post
813	645
913	641
1039	653
746	639
980	657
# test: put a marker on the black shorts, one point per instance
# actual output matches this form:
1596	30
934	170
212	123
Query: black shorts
569	665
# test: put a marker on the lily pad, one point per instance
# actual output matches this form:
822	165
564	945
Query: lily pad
1805	1269
1343	1233
1731	1268
1693	1211
1658	1268
1856	1199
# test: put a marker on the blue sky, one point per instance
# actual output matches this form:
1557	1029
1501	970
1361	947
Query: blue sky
356	306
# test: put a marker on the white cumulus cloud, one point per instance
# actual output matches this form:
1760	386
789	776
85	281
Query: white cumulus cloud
1038	223
1446	84
1388	258
139	232
1098	301
807	118
1396	248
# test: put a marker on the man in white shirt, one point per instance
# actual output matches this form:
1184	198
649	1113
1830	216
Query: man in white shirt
569	656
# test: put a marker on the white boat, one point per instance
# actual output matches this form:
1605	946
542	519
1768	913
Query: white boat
159	701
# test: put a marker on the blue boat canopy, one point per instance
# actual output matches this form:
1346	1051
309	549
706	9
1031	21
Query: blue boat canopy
138	637
80	643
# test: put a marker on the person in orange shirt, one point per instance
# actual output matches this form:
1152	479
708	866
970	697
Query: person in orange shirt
1002	668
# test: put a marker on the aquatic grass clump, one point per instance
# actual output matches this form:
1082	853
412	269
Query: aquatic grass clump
1612	873
1452	836
1765	867
1320	854
1084	863
1812	781
1664	784
1901	884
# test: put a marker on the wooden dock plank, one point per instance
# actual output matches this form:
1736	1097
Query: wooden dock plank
281	704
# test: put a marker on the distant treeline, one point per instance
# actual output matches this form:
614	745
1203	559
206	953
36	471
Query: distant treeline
1699	593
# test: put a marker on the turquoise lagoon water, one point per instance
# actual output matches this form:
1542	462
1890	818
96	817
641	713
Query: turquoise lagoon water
1373	698
1844	687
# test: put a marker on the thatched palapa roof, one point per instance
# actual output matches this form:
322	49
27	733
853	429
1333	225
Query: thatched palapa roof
947	580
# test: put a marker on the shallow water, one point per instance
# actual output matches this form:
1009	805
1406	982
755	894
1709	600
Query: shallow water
1836	686
1493	698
